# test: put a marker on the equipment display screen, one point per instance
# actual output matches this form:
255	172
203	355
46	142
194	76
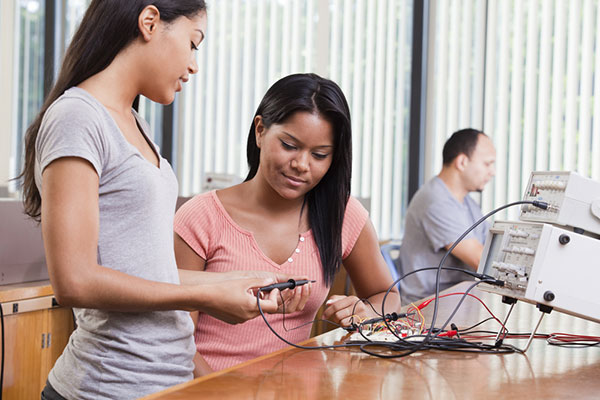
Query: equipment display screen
493	253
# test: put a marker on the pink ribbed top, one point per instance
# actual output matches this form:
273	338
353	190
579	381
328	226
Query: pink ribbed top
204	224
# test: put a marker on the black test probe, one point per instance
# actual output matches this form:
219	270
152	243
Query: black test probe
290	284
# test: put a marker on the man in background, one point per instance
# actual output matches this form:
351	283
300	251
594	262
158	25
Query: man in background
441	211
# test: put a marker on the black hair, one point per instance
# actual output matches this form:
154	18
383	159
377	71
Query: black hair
107	27
327	201
463	141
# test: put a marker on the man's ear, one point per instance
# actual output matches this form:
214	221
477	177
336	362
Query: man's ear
148	21
259	129
461	161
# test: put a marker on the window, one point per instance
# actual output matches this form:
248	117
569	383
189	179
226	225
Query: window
28	72
73	15
364	46
7	88
530	85
29	63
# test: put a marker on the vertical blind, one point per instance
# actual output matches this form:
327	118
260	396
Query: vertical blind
29	67
28	74
531	86
455	74
363	46
526	72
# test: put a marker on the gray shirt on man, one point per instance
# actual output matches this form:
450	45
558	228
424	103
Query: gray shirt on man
435	219
120	355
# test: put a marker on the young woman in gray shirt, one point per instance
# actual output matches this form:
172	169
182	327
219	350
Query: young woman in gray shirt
106	200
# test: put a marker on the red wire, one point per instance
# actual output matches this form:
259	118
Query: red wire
568	337
562	337
426	303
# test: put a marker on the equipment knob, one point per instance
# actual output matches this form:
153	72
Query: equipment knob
548	295
564	239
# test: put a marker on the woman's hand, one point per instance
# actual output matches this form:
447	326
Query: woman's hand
201	367
371	279
339	310
234	300
232	297
294	299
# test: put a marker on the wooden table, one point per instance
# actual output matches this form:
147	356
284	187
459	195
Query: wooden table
545	371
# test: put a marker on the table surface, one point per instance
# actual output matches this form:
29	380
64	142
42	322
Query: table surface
545	371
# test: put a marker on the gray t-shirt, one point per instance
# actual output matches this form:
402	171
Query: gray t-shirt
435	219
120	355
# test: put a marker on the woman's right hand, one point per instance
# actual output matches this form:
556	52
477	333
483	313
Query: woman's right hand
233	298
290	300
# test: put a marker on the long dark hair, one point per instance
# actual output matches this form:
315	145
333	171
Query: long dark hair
327	201
107	27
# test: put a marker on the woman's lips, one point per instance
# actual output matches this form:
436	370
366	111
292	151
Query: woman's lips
294	181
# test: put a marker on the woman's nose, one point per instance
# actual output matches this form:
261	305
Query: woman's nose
193	67
300	162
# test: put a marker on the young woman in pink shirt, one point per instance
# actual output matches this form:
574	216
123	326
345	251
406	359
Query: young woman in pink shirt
293	214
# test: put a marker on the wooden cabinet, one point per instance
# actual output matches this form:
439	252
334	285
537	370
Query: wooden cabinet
36	332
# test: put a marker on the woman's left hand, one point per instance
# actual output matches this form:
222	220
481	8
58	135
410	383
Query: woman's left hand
294	299
339	310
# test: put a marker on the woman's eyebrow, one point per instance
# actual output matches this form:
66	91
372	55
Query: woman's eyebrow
203	36
299	141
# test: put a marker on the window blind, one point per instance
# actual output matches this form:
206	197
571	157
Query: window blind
363	46
530	84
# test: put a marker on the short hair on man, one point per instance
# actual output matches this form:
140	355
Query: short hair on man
463	141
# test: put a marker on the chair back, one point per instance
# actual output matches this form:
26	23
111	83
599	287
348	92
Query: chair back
391	252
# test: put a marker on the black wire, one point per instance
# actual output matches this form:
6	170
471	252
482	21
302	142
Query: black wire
333	346
312	322
283	310
440	343
449	251
468	272
304	324
466	330
512	335
581	344
482	331
464	271
437	342
430	341
439	268
552	342
366	301
463	297
360	332
408	346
